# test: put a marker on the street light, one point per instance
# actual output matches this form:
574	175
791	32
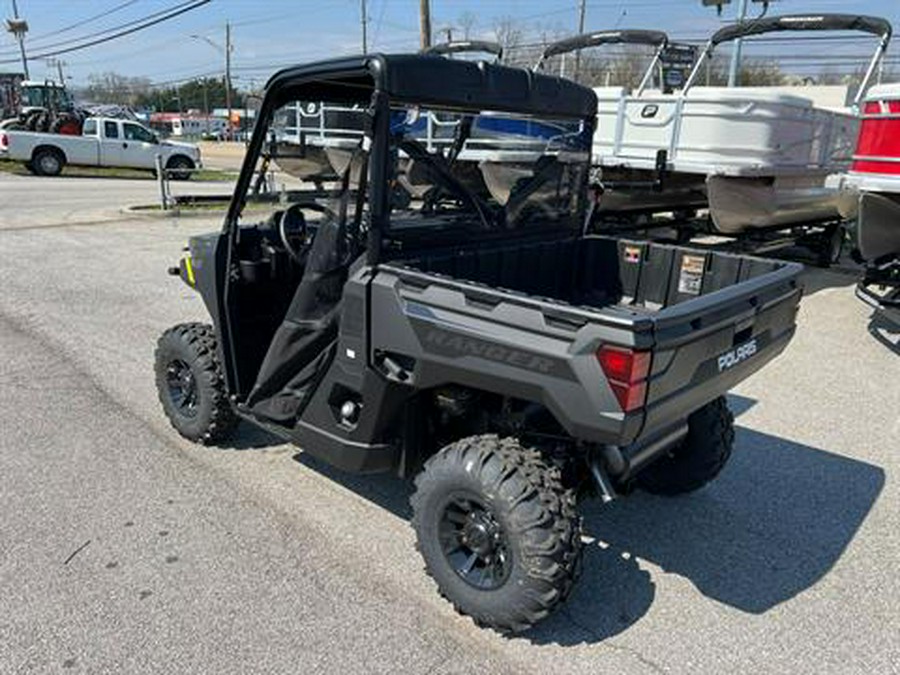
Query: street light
227	53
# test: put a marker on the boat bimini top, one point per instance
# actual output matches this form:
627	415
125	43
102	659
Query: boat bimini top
610	37
802	22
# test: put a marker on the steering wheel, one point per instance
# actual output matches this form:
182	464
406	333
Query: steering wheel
292	218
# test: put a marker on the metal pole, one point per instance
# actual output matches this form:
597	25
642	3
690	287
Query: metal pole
21	38
736	52
425	24
581	10
161	178
228	76
206	104
363	13
62	79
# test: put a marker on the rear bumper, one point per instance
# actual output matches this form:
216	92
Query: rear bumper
687	377
670	410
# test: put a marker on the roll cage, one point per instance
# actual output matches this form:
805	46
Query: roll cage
382	81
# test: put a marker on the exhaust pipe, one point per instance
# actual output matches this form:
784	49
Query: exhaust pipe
609	464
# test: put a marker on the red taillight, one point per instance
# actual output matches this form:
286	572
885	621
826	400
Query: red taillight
627	372
4	140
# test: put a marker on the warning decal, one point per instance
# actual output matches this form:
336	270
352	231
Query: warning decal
691	278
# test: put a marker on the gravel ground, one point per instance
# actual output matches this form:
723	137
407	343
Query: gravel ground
125	549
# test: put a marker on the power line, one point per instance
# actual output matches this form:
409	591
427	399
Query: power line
106	31
66	29
135	29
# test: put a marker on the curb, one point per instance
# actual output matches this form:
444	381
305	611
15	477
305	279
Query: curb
144	211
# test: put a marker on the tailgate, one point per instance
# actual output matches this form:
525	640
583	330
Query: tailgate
706	345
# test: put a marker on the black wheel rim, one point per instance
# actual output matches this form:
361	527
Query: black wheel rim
474	543
182	388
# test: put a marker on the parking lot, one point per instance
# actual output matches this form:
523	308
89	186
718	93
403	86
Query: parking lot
126	549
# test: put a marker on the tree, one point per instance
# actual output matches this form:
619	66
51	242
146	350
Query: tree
509	34
201	94
110	87
761	74
753	73
467	22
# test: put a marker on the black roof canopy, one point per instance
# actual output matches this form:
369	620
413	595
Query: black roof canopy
605	37
431	80
802	22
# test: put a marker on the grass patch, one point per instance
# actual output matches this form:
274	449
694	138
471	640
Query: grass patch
202	207
18	168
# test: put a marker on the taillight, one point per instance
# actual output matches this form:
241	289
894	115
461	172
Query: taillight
627	371
4	140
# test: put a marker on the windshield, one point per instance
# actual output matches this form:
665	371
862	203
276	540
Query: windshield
33	96
40	96
310	170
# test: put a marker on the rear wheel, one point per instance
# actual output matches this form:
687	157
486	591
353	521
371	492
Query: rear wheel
47	162
191	385
498	532
180	167
699	458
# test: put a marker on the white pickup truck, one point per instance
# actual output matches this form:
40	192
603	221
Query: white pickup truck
103	142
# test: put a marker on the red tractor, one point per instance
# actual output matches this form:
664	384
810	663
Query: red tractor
41	106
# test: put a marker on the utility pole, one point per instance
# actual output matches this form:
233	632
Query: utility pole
228	75
18	27
581	9
425	24
736	52
59	69
364	21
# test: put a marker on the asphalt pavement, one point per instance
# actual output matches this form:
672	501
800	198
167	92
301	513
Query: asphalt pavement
126	549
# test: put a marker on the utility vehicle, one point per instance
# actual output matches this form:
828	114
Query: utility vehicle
499	355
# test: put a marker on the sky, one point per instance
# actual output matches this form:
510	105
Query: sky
269	35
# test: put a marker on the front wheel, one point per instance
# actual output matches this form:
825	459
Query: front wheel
191	385
180	168
699	458
498	532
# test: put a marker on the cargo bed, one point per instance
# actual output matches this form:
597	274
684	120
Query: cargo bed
710	319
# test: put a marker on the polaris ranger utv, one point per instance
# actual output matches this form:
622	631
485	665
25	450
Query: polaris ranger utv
492	350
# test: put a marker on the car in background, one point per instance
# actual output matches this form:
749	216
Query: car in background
104	142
